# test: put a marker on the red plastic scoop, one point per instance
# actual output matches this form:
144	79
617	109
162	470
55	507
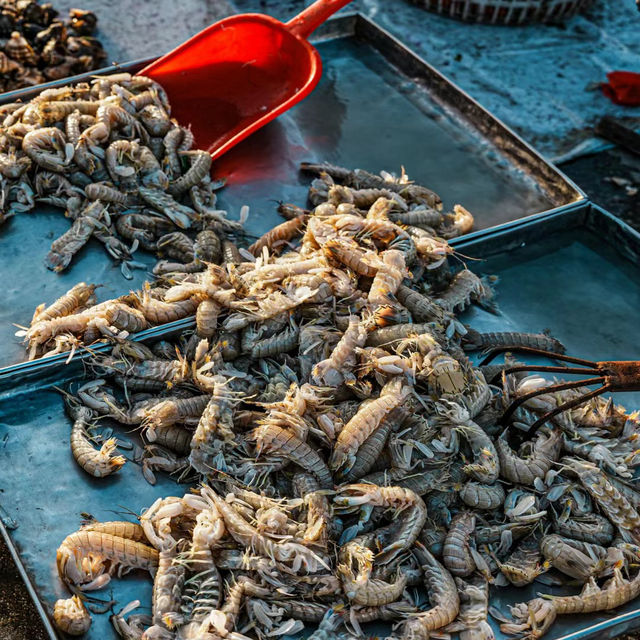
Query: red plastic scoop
240	73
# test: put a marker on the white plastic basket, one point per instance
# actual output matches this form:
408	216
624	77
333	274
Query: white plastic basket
505	12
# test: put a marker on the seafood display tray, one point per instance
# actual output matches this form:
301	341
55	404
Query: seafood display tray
576	273
378	106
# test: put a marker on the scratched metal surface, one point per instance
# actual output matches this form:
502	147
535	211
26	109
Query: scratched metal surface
365	113
575	273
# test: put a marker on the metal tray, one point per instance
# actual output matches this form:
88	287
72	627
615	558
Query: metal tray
377	106
576	274
584	261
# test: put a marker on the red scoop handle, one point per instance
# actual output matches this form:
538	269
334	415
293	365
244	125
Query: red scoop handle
304	24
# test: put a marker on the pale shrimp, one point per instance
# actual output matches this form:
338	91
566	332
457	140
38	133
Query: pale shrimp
348	253
279	236
206	588
158	312
209	529
111	317
390	337
12	165
370	591
86	559
78	296
364	423
403	501
71	616
171	372
320	522
534	618
97	463
373	446
391	271
168	412
290	553
41	332
48	148
216	423
615	504
465	288
167	589
271	438
462	221
117	528
331	372
164	521
207	313
284	269
53	111
443	596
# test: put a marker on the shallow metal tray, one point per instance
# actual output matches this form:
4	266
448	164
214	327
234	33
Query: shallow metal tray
377	106
576	273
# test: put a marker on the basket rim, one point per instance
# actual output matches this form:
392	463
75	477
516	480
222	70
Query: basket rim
504	12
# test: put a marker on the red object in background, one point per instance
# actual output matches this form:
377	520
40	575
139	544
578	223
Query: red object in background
238	74
623	88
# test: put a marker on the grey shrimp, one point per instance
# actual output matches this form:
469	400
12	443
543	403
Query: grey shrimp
443	596
544	453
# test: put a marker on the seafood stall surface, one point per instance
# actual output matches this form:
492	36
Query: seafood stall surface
345	449
483	172
112	213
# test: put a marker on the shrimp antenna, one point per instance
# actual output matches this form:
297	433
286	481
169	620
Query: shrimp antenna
125	511
459	256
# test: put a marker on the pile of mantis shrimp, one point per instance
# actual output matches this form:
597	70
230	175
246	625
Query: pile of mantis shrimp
109	155
349	462
76	320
